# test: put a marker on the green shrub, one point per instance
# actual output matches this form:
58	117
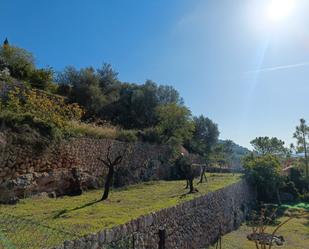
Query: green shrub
150	135
25	129
13	120
19	61
127	136
41	78
305	197
289	187
264	173
297	177
49	108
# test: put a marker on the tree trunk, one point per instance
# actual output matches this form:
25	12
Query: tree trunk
306	162
278	196
191	185
203	175
187	184
108	182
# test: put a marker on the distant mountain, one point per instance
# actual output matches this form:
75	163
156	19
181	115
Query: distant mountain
238	152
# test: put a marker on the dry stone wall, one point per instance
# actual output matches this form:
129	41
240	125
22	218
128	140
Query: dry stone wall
191	225
24	172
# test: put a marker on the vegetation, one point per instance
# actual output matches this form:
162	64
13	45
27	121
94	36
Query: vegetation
264	173
83	214
302	135
274	169
205	136
294	232
94	102
110	164
266	145
175	125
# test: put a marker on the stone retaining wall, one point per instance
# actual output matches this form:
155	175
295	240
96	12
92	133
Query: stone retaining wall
192	225
24	172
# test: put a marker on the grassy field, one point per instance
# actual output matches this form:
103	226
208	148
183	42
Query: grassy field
83	215
295	233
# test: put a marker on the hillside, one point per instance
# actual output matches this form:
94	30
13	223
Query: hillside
237	153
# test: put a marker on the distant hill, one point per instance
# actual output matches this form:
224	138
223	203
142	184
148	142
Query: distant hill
238	153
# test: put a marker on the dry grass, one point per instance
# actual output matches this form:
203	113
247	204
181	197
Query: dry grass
92	130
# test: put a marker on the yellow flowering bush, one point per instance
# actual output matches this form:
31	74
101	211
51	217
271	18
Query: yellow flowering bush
51	109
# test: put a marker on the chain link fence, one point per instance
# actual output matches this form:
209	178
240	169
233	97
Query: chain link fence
21	233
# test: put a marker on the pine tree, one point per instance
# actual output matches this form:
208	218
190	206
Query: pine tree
6	42
302	136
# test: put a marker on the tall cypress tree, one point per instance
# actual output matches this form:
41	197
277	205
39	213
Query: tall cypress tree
6	42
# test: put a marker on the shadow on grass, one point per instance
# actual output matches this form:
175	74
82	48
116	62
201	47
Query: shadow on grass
66	211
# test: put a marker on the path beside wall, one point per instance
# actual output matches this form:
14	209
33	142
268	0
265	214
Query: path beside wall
191	225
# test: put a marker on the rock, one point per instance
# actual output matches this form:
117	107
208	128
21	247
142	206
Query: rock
52	194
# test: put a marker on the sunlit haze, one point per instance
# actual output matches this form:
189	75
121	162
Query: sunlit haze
280	9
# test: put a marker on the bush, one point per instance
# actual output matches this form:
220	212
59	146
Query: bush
42	106
13	120
25	129
175	123
150	135
289	187
264	173
127	136
19	61
305	197
41	78
297	177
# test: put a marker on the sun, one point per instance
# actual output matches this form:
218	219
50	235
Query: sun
280	9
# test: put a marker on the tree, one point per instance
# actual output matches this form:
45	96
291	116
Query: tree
301	134
168	95
175	124
205	136
19	61
266	145
6	42
107	76
222	153
110	164
143	104
264	173
41	78
85	88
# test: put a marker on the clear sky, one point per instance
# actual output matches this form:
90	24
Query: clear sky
243	63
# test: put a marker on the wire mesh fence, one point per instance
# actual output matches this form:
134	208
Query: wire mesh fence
21	233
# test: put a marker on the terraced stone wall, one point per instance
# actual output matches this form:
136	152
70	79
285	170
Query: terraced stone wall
52	171
192	225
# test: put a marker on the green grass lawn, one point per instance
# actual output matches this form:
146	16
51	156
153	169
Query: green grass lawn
295	233
82	215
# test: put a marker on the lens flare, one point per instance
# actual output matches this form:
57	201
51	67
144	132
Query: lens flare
280	9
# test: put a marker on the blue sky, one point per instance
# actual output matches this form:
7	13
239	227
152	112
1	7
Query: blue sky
229	59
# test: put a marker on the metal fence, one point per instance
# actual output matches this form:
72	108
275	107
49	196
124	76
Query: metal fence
21	233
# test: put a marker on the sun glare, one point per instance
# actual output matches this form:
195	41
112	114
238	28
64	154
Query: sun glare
280	9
